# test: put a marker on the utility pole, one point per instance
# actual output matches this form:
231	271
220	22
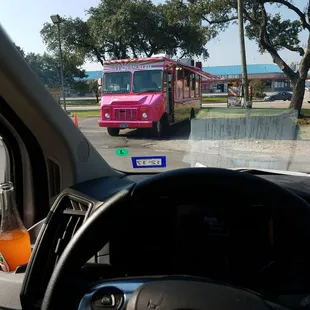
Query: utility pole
57	21
61	69
245	81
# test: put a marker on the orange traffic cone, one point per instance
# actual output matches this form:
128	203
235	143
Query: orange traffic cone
76	120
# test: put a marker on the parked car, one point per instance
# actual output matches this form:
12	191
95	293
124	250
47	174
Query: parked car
284	95
307	91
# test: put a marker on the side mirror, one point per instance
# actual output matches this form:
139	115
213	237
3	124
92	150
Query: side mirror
99	81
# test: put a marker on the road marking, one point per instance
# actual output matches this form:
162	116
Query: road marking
121	152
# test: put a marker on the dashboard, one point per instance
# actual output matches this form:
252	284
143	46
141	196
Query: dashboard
239	242
116	293
194	240
112	294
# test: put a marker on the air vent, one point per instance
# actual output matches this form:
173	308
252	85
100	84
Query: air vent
63	221
73	214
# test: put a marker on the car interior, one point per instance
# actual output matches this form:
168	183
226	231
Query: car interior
192	238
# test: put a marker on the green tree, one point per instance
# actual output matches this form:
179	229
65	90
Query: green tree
76	39
270	31
257	88
94	87
81	87
47	69
131	28
183	30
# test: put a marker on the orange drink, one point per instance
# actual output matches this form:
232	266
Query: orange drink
15	249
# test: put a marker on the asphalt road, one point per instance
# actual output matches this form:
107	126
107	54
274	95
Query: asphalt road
280	104
256	104
210	143
136	142
93	98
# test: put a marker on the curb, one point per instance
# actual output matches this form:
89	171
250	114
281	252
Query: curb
90	116
97	116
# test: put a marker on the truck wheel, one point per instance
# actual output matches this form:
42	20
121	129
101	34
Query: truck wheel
113	132
160	128
192	115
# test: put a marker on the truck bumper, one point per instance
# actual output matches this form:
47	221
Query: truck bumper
124	124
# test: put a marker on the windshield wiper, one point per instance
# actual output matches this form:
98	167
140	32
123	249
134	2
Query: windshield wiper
264	171
271	171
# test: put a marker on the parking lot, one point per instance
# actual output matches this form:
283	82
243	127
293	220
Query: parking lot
256	104
188	144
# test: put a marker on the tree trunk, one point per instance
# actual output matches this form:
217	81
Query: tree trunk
298	94
245	81
300	84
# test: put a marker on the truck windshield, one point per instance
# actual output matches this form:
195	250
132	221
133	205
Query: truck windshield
116	83
147	81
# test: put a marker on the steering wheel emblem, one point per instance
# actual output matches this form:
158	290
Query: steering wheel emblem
154	305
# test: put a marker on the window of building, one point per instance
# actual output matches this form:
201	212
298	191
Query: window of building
267	83
279	84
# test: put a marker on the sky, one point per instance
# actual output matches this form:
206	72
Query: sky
23	20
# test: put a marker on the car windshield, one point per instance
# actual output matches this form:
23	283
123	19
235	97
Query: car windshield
147	81
116	83
165	84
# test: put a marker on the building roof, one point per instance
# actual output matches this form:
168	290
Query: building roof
215	70
237	69
92	75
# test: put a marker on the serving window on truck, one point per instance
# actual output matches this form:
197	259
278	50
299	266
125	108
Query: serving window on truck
192	85
197	83
180	83
187	82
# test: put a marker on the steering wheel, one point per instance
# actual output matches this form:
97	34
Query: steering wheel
187	182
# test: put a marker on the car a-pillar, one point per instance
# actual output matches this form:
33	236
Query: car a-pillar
160	127
113	131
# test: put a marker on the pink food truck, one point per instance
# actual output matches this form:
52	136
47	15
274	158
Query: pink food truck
149	93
